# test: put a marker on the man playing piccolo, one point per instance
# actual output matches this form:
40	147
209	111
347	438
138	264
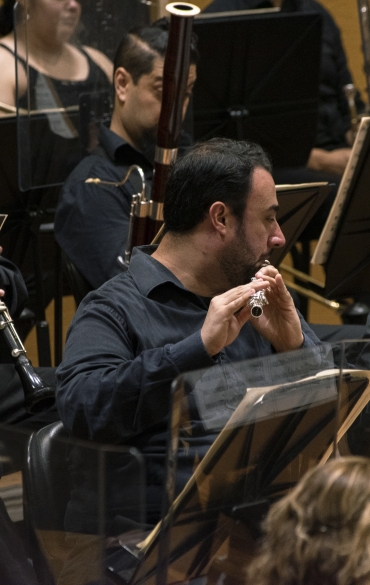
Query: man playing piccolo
181	306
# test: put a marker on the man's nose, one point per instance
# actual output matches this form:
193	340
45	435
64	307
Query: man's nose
72	4
277	240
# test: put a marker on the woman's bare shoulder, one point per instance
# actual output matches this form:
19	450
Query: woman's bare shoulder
102	60
7	48
7	67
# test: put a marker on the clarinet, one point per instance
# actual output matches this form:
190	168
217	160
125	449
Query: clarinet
38	397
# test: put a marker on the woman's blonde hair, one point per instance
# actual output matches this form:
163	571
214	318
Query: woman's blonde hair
319	534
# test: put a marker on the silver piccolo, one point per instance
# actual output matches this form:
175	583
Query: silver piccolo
258	300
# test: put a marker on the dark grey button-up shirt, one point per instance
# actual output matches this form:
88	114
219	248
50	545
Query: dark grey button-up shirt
128	341
91	221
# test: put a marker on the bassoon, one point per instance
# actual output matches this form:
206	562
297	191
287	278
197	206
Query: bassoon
175	79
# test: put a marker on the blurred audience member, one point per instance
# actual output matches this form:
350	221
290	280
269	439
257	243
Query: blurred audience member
320	533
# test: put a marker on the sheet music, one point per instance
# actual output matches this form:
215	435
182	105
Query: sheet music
323	247
219	392
283	398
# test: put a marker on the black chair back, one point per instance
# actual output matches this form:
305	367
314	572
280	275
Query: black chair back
46	477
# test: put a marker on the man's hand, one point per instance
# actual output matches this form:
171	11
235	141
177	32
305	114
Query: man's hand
226	316
334	161
279	322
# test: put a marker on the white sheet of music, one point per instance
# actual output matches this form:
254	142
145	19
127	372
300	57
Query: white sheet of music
324	244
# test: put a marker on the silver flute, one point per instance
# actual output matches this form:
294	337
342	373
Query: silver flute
258	300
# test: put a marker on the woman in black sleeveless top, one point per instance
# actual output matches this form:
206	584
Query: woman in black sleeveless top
59	71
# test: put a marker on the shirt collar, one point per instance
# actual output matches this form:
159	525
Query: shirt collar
110	141
117	148
148	273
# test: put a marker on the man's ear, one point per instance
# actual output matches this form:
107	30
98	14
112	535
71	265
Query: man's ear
122	79
218	214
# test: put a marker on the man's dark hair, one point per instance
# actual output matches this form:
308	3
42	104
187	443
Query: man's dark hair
139	47
217	170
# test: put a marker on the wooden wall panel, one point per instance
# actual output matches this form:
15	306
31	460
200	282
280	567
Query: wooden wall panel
345	13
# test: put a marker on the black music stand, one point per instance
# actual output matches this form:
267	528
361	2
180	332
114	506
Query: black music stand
344	245
257	458
258	79
297	206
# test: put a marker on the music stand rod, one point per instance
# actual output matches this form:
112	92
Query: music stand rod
315	297
301	275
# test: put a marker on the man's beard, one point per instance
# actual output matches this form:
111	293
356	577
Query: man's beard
237	261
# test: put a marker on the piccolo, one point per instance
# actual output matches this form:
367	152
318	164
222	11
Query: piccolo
258	300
